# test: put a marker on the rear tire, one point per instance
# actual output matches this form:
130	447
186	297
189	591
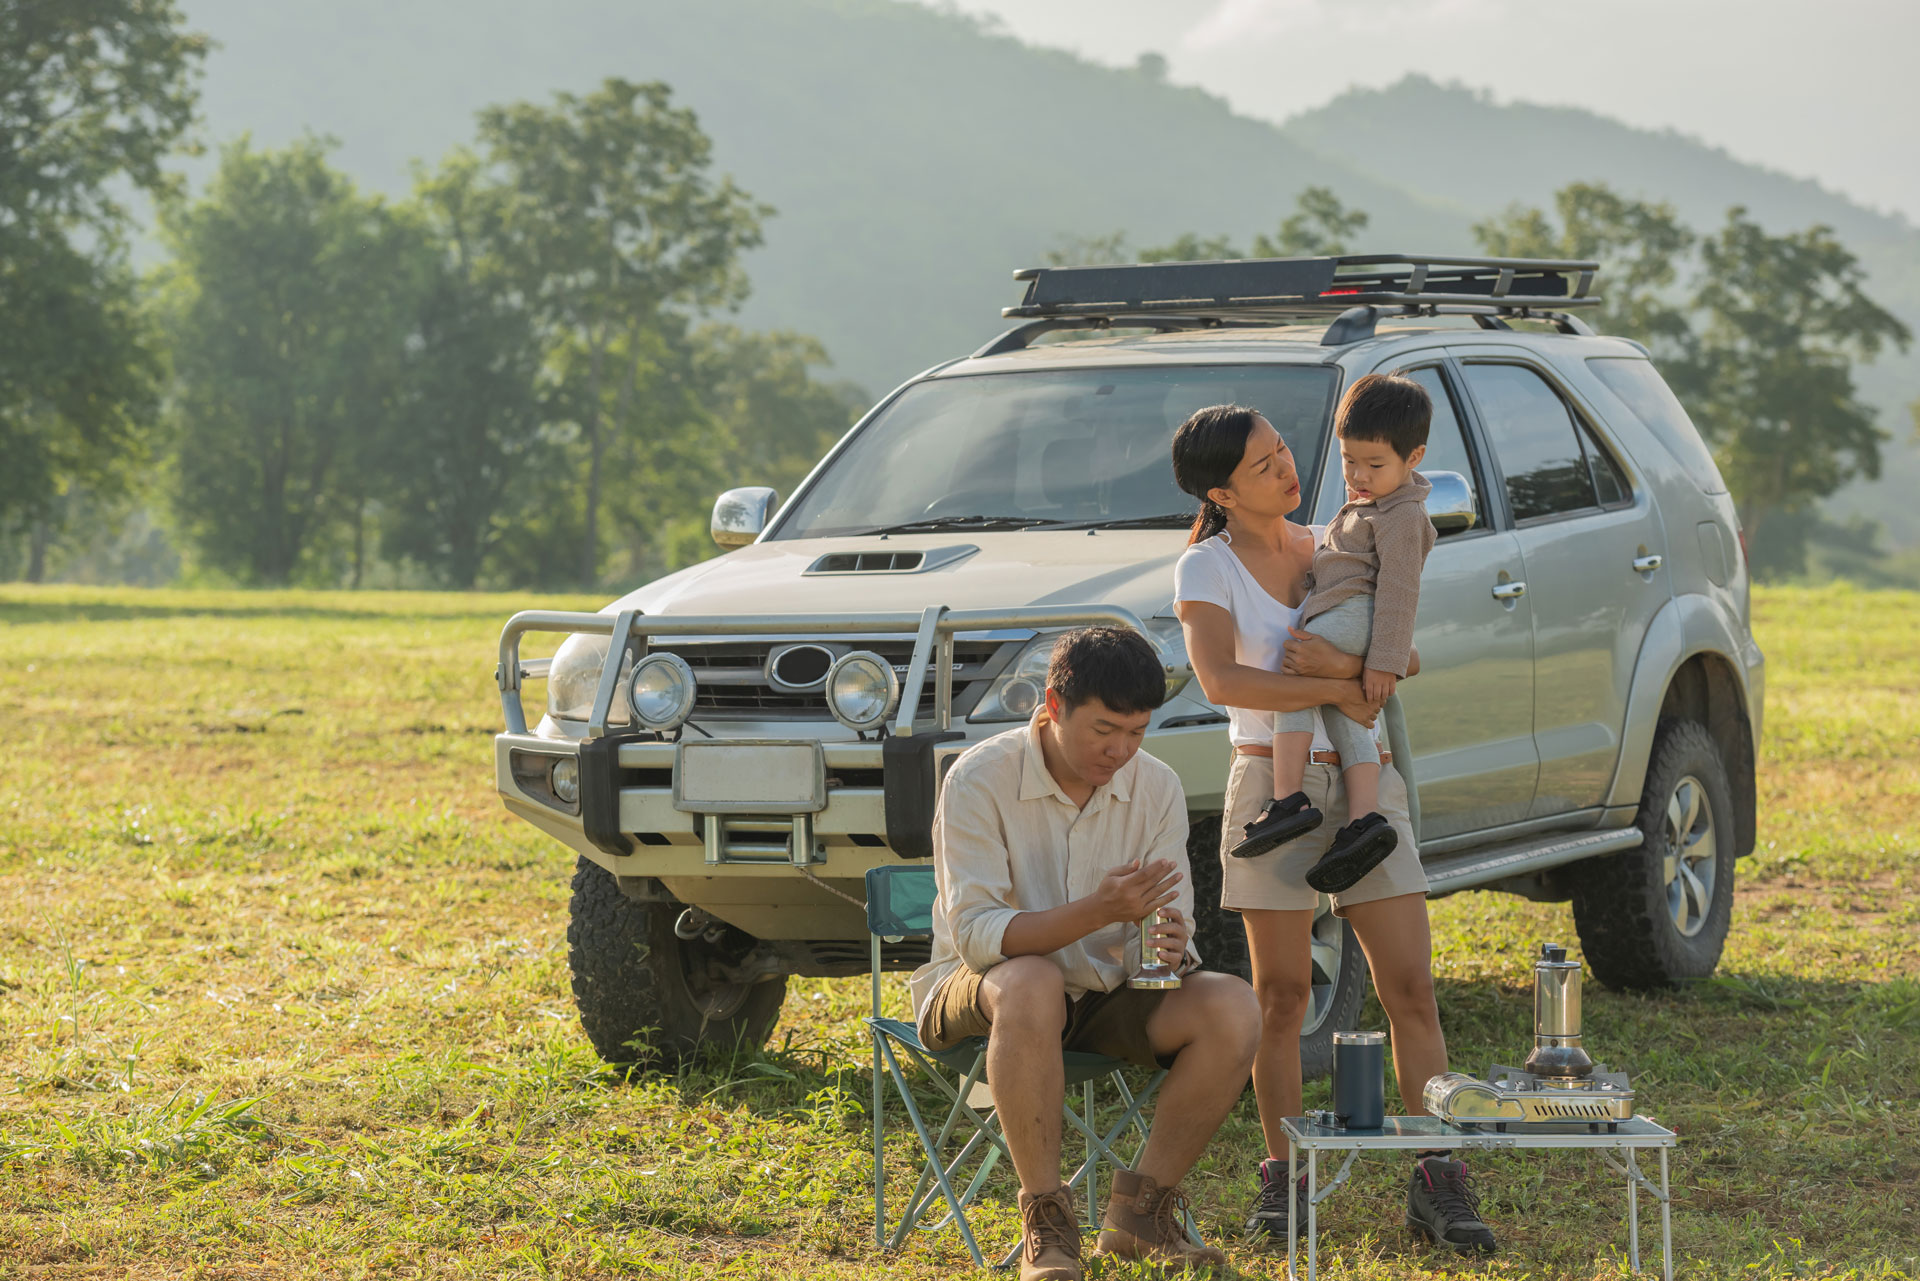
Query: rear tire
1339	965
1658	915
646	995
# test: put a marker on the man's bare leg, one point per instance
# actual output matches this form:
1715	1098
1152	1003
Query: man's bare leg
1280	945
1025	998
1211	1027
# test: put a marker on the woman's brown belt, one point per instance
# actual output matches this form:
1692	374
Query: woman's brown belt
1319	756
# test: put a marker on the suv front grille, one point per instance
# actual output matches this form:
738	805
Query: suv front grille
731	680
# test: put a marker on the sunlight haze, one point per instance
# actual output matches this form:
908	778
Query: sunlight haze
1820	91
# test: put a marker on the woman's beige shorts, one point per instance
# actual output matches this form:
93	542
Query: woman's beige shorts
1277	881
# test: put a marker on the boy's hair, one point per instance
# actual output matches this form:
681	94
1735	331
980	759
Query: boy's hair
1388	409
1116	665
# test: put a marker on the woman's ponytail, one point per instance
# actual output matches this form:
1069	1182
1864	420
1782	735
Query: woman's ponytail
1206	450
1211	520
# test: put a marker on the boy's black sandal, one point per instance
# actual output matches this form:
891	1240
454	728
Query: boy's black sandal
1357	849
1279	822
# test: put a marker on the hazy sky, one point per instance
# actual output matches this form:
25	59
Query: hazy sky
1827	90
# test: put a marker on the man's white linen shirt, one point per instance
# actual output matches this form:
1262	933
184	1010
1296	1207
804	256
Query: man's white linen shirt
1007	839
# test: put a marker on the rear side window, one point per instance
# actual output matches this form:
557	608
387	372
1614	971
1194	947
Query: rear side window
1609	482
1536	439
1640	386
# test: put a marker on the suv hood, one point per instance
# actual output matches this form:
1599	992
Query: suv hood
1129	568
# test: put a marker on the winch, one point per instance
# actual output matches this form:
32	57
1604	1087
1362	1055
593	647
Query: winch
1560	1084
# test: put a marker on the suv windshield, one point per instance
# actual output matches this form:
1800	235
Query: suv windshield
1086	447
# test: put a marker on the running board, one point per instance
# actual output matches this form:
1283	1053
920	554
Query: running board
1474	868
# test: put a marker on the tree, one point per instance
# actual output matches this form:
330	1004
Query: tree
93	96
1640	248
289	301
78	383
1320	225
1782	319
610	222
468	417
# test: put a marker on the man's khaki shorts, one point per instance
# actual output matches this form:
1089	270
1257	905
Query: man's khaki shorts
1278	880
1111	1023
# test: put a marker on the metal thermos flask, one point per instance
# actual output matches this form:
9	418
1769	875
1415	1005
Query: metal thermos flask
1360	1079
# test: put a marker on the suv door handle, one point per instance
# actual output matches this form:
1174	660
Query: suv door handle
1647	564
1509	591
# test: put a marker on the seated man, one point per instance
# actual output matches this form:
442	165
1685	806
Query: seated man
1050	842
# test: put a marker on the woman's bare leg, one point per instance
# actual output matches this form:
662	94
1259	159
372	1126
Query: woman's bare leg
1393	932
1280	945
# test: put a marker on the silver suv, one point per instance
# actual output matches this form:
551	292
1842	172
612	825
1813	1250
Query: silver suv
729	749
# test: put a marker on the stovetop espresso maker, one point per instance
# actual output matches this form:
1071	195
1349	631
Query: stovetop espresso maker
1560	1083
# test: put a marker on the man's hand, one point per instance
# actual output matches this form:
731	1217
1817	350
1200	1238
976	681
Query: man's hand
1378	686
1358	707
1170	937
1130	891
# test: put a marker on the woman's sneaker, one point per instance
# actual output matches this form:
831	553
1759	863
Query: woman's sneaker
1357	849
1442	1207
1268	1221
1279	822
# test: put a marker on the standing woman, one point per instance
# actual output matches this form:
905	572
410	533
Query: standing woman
1237	591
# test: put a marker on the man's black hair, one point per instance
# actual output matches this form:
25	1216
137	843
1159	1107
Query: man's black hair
1387	409
1116	665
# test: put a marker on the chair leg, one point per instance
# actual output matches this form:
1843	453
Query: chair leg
934	1167
1093	1162
879	1150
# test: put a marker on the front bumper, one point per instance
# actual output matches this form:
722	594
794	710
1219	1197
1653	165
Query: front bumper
781	873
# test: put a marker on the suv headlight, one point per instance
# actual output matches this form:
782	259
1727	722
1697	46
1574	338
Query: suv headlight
574	679
862	690
661	690
1016	692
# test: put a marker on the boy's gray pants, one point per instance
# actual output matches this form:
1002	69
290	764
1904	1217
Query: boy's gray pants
1348	626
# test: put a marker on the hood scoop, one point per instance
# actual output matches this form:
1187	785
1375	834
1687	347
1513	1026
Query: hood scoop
890	562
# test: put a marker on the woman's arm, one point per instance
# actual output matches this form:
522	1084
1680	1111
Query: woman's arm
1310	655
1230	683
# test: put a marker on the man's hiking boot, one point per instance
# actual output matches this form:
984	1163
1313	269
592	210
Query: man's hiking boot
1357	849
1146	1221
1277	824
1268	1220
1049	1237
1442	1207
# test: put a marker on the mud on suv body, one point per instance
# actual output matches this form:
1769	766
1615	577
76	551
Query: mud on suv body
1584	725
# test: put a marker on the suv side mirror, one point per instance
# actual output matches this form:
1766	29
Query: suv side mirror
1451	506
739	515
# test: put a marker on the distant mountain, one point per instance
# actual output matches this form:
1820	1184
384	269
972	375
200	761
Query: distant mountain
916	158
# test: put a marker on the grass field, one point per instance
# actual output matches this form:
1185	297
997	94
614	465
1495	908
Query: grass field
283	991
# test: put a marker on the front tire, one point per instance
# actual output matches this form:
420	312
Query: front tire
1658	915
1339	965
646	995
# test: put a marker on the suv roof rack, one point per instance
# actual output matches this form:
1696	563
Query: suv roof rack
1357	288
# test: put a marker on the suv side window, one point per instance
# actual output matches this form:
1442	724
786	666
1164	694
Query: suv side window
1609	481
1537	440
1446	449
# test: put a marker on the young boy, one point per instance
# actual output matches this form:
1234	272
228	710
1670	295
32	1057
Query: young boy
1362	595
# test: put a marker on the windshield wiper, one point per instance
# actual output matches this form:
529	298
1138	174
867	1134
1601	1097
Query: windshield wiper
1166	520
933	523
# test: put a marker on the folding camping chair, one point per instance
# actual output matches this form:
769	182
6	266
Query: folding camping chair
900	906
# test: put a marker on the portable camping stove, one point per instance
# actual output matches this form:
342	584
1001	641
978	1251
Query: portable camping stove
1560	1084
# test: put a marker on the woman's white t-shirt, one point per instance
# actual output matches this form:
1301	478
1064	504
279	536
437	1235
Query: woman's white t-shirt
1209	571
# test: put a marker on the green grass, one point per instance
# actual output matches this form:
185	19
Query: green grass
283	991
